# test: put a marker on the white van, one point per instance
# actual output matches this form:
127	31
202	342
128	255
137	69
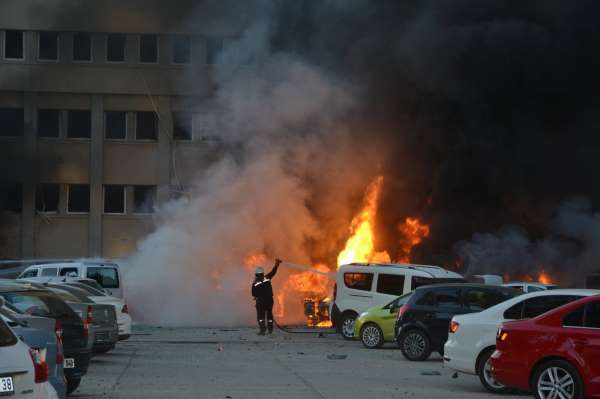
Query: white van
107	274
360	286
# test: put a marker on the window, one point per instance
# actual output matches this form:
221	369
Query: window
417	282
11	122
359	281
533	288
48	123
182	125
46	198
448	298
80	124
30	273
182	49
82	46
115	127
49	272
144	198
592	315
67	270
148	49
79	198
146	126
574	319
13	44
515	312
107	277
214	47
11	197
114	199
392	284
48	46
398	302
115	47
534	307
480	299
518	287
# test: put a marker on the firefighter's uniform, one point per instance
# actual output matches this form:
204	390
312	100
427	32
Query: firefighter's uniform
262	291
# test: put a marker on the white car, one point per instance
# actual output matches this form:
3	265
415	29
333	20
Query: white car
361	286
472	337
527	287
23	371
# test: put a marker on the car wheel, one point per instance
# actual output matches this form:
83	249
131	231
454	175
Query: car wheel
371	336
484	371
347	327
72	384
415	345
557	379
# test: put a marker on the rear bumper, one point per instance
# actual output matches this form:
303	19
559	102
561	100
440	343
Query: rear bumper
82	362
510	370
105	337
459	356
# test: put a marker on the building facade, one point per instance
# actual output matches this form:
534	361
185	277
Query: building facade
105	113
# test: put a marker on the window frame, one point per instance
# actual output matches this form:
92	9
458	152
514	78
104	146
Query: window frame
155	189
60	123
139	59
399	276
39	47
23	47
124	49
68	127
106	125
69	198
370	289
192	127
124	200
135	127
44	212
191	47
12	136
91	48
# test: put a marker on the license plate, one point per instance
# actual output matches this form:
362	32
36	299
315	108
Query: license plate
6	385
69	363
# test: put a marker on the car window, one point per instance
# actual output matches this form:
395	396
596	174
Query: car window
592	315
514	312
49	272
359	281
392	284
66	270
417	281
534	288
108	277
574	319
7	338
534	307
39	303
448	298
30	273
479	299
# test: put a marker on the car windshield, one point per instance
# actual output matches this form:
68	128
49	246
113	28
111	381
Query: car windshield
7	338
39	303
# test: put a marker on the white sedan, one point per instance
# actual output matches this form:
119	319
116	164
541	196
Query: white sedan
472	337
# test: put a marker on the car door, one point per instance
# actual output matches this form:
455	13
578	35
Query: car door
448	303
359	294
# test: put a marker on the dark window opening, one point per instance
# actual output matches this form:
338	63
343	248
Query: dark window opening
146	126
79	198
515	312
11	122
66	270
82	46
47	197
574	319
480	299
144	198
115	47
11	197
359	281
214	47
182	49
592	315
148	49
107	277
182	125
534	307
13	44
80	124
391	284
48	123
114	198
116	125
48	46
448	298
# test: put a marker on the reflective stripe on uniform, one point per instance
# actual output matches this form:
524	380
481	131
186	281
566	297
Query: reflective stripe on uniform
260	282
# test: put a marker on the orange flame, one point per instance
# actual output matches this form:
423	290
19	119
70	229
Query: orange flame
360	247
544	277
413	233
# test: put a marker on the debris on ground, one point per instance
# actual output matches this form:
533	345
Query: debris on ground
430	372
336	357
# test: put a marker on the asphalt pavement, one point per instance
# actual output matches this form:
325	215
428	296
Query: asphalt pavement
236	363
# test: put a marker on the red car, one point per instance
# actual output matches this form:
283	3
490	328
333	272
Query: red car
555	355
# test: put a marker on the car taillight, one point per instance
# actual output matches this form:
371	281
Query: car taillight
334	291
403	309
87	322
125	309
59	342
453	328
38	357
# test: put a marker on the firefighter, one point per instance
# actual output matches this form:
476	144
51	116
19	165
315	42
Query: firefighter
262	291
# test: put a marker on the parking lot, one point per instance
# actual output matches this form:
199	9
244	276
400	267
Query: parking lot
236	363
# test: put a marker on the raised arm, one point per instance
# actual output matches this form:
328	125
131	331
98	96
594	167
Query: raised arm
273	272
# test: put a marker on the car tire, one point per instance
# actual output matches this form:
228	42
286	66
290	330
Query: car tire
371	336
415	345
483	369
547	372
347	325
72	384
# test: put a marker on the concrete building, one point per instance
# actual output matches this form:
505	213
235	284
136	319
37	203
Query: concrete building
104	114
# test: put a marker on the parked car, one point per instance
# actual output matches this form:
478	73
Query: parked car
472	338
526	287
376	326
23	371
106	274
555	355
40	302
424	320
360	286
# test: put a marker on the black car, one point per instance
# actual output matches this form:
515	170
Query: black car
423	322
28	299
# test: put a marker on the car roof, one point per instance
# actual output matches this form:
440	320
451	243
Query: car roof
462	285
530	283
433	271
12	285
67	263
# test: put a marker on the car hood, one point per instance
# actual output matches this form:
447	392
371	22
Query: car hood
375	311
